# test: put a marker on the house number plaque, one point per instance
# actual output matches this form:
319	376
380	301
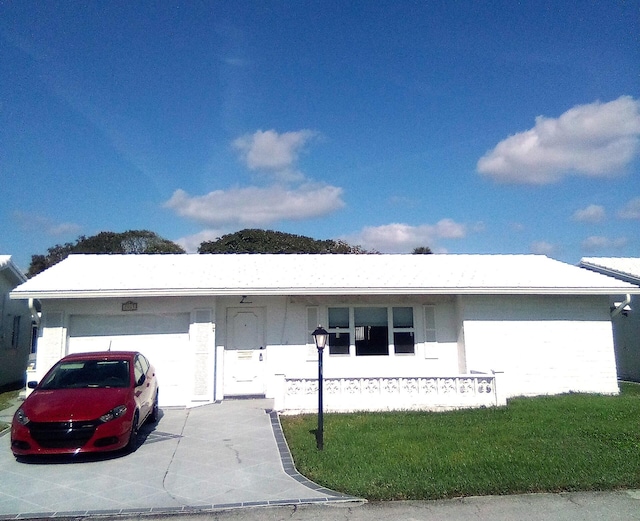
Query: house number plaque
130	306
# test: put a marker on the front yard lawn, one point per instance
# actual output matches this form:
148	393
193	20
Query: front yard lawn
5	401
544	444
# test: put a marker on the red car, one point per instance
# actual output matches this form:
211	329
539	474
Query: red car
87	402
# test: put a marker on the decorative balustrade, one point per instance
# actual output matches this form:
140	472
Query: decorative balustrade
389	393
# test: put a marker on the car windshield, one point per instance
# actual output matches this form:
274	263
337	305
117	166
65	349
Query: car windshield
88	373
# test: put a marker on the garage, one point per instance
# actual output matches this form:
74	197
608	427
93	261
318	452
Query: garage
162	338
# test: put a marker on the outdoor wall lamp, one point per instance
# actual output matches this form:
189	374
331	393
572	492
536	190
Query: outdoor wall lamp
320	337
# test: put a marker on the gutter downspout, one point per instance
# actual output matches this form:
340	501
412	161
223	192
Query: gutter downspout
34	312
619	306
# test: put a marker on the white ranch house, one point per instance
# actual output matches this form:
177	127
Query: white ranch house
407	331
625	312
15	326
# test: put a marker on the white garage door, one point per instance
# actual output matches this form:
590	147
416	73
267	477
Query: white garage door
162	338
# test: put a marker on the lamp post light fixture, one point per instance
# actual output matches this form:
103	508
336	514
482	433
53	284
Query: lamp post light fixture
320	336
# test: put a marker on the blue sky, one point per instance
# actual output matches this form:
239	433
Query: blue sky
468	127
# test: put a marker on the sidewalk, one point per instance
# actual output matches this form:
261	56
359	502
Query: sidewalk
578	506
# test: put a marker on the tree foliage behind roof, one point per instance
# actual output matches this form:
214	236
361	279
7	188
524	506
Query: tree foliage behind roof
129	242
269	241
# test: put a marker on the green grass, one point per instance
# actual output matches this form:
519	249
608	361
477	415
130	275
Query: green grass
5	401
560	443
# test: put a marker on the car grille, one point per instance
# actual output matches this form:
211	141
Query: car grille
62	435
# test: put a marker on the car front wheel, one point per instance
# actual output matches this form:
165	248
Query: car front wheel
133	434
155	410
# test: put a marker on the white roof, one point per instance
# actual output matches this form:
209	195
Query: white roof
624	268
91	276
7	264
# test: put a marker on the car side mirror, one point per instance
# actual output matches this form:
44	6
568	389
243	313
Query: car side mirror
141	380
32	384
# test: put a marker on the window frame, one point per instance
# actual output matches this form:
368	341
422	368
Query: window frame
392	329
138	371
402	329
15	332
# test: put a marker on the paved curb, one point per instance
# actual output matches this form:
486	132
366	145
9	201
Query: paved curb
290	469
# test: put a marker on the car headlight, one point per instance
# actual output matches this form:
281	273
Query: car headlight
21	417
114	413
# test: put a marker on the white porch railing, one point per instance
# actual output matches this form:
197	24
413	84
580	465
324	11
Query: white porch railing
300	395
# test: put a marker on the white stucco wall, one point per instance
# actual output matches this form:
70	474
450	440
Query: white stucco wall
13	358
544	344
290	350
626	329
185	379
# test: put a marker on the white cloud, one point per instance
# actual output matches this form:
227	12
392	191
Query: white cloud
403	201
479	227
543	248
591	214
597	140
273	152
63	229
256	206
32	222
191	242
401	238
596	243
449	229
631	210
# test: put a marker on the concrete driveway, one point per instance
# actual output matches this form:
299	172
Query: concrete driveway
213	457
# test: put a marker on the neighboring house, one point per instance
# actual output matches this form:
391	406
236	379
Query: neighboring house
407	331
15	326
625	313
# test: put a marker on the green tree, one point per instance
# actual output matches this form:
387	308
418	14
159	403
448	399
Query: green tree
423	250
129	242
132	241
269	241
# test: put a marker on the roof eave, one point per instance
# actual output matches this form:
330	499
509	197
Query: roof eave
610	272
213	292
13	270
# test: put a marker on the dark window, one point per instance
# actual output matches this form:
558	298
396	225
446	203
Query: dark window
369	331
372	331
339	336
88	374
15	336
403	332
138	370
403	343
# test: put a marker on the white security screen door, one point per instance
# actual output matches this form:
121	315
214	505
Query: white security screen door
245	353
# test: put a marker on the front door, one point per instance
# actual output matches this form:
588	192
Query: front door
245	353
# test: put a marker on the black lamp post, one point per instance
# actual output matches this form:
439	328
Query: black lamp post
320	336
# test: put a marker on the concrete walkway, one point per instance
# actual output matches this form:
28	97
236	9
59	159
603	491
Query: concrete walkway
231	454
